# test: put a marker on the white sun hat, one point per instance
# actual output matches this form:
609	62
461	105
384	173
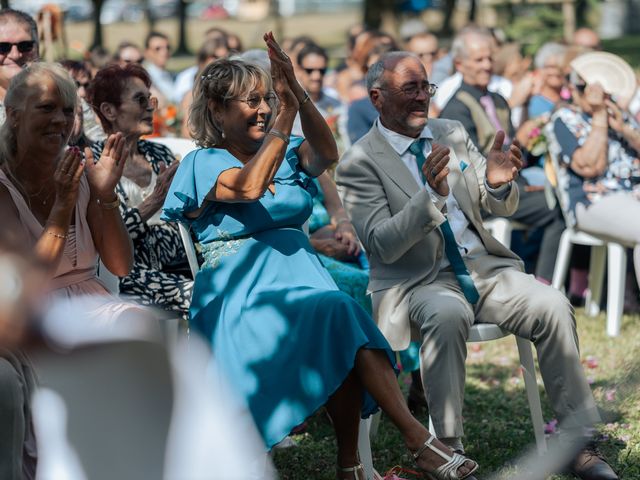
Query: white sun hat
614	74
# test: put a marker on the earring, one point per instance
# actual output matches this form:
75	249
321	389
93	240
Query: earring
223	135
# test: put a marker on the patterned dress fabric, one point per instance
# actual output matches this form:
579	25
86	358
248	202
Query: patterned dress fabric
567	131
279	327
156	243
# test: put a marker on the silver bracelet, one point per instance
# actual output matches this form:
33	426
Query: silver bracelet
280	135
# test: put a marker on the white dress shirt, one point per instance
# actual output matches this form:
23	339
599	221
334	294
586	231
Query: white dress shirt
468	241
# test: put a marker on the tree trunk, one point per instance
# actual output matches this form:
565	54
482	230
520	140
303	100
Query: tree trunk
148	12
4	4
449	7
374	10
182	48
473	10
97	26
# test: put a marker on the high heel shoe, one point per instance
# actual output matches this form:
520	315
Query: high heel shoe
448	470
356	472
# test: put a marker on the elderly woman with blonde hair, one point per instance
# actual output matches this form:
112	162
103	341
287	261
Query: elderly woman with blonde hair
288	340
54	200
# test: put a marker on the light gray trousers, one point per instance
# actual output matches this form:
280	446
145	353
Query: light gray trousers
516	302
614	217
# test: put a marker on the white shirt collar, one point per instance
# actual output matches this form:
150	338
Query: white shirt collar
401	143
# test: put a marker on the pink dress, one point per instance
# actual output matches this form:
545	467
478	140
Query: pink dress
76	273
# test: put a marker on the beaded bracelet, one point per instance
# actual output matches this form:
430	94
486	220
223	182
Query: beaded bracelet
280	135
57	235
109	205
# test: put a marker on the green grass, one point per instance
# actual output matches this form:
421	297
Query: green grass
497	422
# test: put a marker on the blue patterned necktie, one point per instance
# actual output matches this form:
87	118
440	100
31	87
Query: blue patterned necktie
450	245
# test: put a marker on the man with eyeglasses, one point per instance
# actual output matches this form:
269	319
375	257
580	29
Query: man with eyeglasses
157	52
312	67
18	48
414	192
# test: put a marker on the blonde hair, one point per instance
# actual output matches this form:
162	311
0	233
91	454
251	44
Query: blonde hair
219	82
21	86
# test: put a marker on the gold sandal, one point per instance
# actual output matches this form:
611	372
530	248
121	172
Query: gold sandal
355	471
449	470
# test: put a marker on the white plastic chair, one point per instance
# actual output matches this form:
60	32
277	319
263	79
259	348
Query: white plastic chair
501	228
601	252
484	332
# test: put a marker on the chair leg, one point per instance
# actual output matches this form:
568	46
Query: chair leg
615	287
364	447
375	423
533	394
596	278
562	260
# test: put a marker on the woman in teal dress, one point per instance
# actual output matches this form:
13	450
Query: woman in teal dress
287	338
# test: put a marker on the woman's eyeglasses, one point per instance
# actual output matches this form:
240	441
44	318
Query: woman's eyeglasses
23	47
145	102
254	101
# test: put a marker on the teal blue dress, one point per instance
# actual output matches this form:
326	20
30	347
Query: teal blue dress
279	327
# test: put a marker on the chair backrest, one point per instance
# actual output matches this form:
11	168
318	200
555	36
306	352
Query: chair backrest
189	249
179	146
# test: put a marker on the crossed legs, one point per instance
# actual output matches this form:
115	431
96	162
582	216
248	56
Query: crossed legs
373	372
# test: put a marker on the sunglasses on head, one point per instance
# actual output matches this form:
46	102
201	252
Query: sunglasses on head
23	47
311	70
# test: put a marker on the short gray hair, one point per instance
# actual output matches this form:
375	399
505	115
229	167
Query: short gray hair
548	51
221	81
459	45
376	71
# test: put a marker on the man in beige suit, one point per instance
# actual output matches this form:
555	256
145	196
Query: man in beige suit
414	191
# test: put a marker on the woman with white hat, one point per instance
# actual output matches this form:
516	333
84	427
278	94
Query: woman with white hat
597	145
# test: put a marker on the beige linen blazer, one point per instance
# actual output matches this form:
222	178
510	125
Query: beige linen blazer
397	221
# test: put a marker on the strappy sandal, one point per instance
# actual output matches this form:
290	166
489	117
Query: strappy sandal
449	470
355	471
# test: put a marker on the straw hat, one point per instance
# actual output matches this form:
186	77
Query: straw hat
609	70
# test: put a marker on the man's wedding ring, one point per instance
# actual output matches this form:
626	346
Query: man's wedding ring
433	172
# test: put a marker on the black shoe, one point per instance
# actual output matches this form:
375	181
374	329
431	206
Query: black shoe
588	464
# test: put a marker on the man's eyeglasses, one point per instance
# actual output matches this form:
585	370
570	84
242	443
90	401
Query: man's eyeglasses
145	102
130	60
81	84
254	101
581	87
311	70
23	47
413	90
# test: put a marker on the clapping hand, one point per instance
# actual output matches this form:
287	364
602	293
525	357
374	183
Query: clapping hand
285	84
435	169
67	177
104	175
503	166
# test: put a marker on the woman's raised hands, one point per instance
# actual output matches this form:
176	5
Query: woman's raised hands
67	178
105	174
285	83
